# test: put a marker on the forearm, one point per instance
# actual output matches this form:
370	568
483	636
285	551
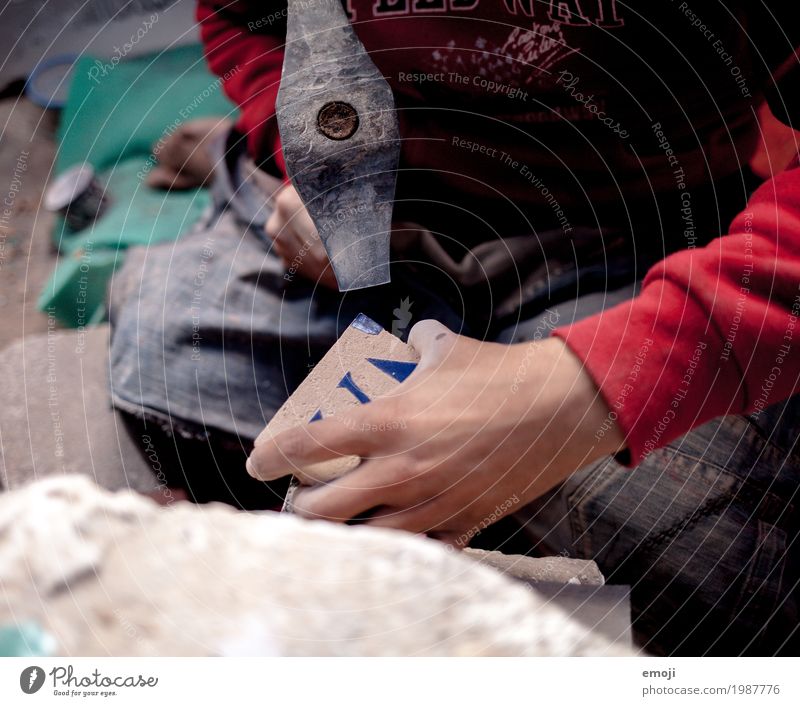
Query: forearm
712	332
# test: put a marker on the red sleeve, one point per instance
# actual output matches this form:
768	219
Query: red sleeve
244	45
714	331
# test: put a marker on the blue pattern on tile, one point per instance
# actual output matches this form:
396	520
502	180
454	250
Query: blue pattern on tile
362	322
317	416
397	369
349	384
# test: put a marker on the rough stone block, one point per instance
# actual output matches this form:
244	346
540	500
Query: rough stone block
56	417
549	569
366	362
115	574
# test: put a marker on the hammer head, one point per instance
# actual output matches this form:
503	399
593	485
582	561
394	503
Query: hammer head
340	140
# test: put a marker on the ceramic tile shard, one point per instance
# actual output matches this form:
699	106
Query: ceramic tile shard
550	569
365	363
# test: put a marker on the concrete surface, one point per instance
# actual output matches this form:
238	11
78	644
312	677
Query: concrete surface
56	417
27	150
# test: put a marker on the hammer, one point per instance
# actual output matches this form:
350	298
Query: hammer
340	139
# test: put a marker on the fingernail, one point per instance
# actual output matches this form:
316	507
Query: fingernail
250	466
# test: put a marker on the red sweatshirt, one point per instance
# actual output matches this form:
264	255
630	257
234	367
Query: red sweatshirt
591	113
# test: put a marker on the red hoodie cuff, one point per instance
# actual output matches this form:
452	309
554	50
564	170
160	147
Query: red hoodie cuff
274	154
259	125
657	363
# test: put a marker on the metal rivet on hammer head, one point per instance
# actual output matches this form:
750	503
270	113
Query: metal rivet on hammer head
337	120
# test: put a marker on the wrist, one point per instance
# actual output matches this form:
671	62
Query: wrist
577	408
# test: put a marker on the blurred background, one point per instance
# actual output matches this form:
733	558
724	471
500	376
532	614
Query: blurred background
105	95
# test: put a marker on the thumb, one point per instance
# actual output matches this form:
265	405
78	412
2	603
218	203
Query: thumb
161	177
433	341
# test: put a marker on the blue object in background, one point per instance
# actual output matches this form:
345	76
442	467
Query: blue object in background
48	84
26	639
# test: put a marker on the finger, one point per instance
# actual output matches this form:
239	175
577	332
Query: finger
296	448
304	227
328	279
282	223
371	485
300	243
288	200
433	341
161	177
274	225
449	537
284	243
289	206
431	516
308	244
290	242
280	252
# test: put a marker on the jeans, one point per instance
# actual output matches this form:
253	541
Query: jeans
704	531
211	334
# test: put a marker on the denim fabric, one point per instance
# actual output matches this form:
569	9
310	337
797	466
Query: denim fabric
209	337
704	531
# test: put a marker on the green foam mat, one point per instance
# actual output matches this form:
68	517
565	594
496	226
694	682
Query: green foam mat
111	120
